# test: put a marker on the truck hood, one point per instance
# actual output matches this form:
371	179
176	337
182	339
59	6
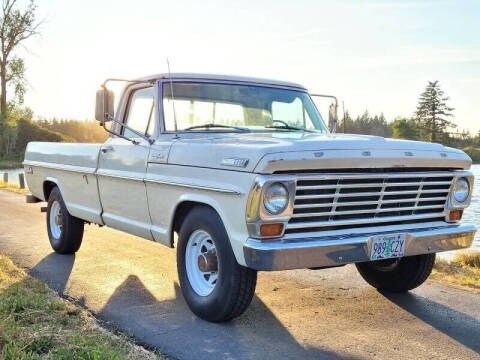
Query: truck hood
294	151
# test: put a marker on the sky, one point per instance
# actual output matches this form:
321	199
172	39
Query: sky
374	55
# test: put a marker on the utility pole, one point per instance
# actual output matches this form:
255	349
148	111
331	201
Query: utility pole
344	120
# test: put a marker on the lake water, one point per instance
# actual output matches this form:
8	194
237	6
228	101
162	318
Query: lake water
471	215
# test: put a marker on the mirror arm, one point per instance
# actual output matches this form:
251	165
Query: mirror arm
334	128
327	96
150	140
107	117
104	85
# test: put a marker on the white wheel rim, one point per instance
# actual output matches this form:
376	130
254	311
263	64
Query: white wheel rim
199	244
56	220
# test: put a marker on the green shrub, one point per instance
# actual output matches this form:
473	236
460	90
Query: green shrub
30	131
473	152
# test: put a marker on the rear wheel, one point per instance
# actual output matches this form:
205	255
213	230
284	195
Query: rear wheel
65	231
397	275
215	286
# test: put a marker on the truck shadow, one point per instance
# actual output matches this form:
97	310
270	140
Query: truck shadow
170	326
55	270
457	325
163	320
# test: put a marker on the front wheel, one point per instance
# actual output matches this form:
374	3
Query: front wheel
397	275
214	285
65	231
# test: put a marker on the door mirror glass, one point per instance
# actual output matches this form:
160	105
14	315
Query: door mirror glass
332	118
104	105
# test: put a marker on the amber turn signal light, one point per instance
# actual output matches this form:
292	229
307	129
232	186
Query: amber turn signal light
455	215
271	229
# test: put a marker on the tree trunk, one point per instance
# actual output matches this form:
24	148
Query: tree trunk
3	104
3	94
434	129
7	152
434	122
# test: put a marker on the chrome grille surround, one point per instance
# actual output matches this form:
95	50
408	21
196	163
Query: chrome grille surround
338	202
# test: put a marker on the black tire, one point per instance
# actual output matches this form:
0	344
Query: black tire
71	234
397	275
235	284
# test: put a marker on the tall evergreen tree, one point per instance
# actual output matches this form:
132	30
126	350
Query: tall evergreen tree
433	112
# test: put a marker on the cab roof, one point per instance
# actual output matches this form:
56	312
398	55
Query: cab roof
196	76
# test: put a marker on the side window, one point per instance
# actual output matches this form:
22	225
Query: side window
140	116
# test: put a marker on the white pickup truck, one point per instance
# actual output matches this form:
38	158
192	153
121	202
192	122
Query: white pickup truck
240	175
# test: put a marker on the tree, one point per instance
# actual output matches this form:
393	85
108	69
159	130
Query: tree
366	125
432	112
77	131
16	26
15	114
409	129
30	131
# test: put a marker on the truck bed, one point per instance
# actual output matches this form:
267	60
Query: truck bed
71	167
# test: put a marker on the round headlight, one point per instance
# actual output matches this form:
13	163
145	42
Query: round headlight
275	198
461	190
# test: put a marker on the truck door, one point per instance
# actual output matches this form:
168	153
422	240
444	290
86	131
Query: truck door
122	168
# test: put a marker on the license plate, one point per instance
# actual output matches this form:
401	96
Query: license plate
388	246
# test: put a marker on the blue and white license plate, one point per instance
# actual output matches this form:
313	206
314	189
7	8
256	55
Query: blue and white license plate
388	246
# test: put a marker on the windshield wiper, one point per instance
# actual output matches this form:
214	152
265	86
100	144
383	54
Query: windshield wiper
212	126
287	127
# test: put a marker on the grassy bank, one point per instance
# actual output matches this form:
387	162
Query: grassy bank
474	153
35	323
14	163
463	270
13	188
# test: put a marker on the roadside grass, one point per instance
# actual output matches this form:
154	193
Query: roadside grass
35	323
13	188
463	270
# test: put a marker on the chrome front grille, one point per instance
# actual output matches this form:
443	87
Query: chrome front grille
342	201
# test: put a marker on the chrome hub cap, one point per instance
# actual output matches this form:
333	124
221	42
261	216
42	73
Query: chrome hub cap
56	220
201	262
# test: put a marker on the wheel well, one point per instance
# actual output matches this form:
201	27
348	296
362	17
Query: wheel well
47	188
181	213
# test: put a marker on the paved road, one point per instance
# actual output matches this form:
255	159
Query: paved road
302	314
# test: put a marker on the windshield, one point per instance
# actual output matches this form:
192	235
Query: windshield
238	106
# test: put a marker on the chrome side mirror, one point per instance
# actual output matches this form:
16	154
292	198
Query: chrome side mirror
104	112
104	103
332	112
332	118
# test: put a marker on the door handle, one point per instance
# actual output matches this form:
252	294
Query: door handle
106	149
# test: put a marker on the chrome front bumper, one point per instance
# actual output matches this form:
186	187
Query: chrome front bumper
324	252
